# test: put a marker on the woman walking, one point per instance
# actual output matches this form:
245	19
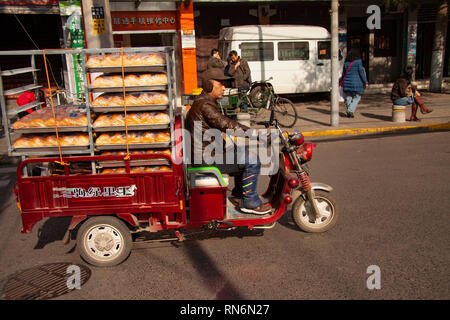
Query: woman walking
353	81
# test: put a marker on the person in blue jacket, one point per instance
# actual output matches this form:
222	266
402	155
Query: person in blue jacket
353	81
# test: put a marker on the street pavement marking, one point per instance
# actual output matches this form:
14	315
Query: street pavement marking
357	131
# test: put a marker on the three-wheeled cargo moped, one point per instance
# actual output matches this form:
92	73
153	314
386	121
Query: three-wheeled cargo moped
108	208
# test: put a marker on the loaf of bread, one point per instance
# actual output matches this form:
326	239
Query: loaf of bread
137	118
131	80
114	170
66	115
136	99
133	137
129	59
136	169
124	153
51	141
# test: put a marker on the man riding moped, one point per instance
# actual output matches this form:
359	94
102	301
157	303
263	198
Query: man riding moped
205	111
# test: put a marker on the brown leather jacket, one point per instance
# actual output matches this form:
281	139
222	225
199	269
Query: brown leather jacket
400	89
206	110
242	75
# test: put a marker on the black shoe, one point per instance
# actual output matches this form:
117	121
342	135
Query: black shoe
235	200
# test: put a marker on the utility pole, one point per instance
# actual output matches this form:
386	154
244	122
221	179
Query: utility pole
97	23
335	63
437	58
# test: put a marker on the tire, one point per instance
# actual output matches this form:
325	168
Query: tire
285	112
304	217
104	241
258	96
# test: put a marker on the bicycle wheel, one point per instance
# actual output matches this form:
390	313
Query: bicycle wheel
285	112
258	96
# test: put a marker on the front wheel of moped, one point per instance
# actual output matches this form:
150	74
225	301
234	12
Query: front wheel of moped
304	216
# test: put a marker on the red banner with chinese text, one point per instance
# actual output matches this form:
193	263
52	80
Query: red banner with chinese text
143	20
29	2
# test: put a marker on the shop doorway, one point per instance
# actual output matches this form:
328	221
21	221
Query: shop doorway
31	32
357	36
425	36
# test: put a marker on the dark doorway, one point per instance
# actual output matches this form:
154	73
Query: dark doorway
425	36
357	36
31	32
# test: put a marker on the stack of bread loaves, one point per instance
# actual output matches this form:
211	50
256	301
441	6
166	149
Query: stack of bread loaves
129	60
133	137
123	153
131	80
138	118
51	141
66	115
136	169
139	99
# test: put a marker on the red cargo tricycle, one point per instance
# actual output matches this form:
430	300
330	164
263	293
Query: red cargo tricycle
108	208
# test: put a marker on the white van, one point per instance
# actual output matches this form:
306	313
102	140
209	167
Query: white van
298	58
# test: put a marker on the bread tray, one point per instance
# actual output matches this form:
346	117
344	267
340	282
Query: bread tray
52	129
148	68
129	89
132	127
133	146
53	148
136	163
147	107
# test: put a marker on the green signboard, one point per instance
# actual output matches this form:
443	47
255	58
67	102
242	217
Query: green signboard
74	24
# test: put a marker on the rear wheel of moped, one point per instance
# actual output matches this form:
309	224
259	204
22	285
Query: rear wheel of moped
104	241
304	217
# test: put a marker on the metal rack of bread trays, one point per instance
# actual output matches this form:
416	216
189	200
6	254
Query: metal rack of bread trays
127	107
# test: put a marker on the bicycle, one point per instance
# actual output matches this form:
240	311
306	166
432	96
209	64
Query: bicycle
261	96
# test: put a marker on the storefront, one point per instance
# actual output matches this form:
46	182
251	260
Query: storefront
211	16
30	25
143	24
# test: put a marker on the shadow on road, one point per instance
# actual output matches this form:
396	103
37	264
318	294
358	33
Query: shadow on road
207	269
52	230
327	112
376	116
203	264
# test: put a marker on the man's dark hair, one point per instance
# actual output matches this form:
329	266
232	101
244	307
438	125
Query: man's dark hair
213	51
408	73
353	54
233	53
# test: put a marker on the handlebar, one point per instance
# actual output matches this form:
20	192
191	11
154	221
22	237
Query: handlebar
262	81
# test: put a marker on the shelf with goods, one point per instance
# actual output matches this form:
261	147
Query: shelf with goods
149	107
34	134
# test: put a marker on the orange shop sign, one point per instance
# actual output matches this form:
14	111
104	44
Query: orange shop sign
143	20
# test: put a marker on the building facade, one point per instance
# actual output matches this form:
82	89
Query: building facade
405	36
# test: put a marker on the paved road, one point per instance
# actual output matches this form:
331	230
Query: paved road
393	196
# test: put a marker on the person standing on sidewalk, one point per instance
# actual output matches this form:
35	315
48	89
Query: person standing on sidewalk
353	81
404	93
238	69
215	61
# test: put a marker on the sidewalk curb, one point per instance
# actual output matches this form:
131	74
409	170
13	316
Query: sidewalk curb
378	130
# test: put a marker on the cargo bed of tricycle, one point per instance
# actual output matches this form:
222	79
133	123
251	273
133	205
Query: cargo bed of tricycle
154	196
